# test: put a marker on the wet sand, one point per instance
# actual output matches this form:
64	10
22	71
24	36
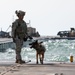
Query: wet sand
31	68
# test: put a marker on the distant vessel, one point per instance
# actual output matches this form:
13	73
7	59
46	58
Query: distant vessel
70	33
4	34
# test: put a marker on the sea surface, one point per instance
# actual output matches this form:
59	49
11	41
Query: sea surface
56	51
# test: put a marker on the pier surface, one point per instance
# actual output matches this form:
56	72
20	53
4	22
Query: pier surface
56	68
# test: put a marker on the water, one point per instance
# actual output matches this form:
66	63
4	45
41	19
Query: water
56	50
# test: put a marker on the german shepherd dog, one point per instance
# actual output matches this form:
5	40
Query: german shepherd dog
40	50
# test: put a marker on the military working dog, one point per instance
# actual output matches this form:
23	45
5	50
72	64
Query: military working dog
40	50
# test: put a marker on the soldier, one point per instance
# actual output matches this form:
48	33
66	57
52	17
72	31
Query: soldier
19	32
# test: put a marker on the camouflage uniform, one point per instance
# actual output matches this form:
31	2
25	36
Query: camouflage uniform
19	31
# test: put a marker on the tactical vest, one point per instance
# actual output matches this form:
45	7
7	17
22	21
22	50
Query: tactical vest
19	31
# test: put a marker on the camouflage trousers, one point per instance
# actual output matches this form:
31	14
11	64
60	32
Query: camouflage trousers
19	43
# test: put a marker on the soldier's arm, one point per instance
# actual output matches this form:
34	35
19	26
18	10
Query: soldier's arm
25	29
13	29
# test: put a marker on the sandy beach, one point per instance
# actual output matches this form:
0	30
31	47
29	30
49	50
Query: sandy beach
48	68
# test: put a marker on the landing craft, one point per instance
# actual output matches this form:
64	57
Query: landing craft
70	33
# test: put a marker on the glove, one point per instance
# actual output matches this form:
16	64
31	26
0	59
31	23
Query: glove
14	40
30	37
25	38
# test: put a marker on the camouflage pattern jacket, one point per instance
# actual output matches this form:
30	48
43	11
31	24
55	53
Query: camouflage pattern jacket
19	29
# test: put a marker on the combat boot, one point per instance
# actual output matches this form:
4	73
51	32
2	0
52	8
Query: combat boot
16	61
20	61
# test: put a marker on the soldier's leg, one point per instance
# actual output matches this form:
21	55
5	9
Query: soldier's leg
21	44
18	55
18	51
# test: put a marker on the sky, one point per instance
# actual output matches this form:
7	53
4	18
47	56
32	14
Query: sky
47	16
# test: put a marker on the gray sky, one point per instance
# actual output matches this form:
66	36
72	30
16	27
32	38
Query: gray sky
47	16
